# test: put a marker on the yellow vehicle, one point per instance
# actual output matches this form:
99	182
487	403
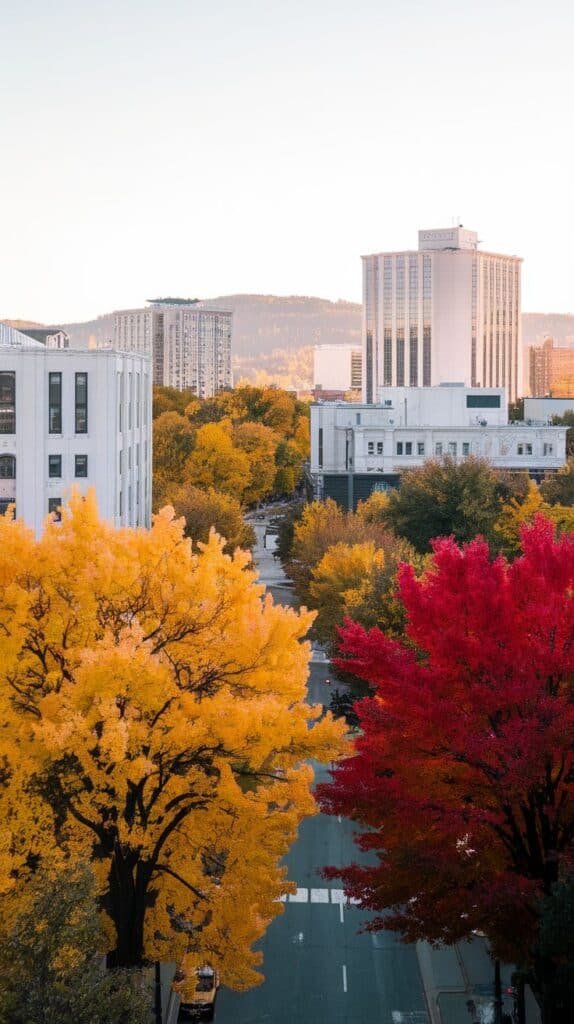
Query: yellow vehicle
202	1005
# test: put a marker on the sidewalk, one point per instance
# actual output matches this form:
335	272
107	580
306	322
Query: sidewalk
459	984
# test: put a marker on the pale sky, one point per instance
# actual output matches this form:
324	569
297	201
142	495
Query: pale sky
208	147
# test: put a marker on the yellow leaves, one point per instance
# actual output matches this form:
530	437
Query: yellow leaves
152	702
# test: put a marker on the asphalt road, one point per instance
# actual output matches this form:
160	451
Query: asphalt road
319	968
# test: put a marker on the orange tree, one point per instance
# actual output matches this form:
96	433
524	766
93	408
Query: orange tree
153	723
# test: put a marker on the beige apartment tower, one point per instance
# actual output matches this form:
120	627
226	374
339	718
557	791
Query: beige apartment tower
190	346
446	313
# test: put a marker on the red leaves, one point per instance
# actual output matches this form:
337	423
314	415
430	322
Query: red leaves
464	769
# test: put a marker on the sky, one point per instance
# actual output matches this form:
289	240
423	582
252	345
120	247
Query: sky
208	147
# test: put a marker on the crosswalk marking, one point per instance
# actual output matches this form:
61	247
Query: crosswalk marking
304	895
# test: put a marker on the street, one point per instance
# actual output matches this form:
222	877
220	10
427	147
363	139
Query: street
318	968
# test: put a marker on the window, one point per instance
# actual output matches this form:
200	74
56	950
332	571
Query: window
408	448
54	465
358	418
55	507
371	448
5	504
548	449
520	449
55	403
438	448
452	447
379	447
529	449
81	403
399	447
7	467
80	465
483	401
7	402
466	448
320	453
120	503
420	447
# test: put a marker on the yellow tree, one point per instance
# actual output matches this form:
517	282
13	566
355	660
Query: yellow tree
216	462
152	706
259	444
514	515
173	438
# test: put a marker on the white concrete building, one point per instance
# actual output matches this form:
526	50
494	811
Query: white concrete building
359	448
190	346
74	418
442	314
337	367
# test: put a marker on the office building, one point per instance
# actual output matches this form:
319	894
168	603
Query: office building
190	347
336	370
551	369
74	418
442	314
359	448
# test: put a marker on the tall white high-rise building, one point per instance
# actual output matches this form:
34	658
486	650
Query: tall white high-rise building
190	346
444	313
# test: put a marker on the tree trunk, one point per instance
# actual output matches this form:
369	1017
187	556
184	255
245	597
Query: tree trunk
126	904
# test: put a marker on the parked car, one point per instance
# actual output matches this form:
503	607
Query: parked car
202	1005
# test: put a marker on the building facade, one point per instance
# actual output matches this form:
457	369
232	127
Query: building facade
551	369
337	368
444	313
71	418
190	347
359	448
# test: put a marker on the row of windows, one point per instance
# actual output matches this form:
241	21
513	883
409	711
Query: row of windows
8	466
407	448
8	402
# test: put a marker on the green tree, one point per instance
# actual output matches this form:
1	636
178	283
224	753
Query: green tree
444	498
203	510
558	488
51	965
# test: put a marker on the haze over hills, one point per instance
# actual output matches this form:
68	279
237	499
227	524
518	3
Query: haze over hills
273	334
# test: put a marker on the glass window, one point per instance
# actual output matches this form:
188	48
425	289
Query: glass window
466	448
379	447
529	449
80	465
438	448
55	507
399	447
7	467
81	403
358	417
408	448
371	447
420	447
54	465
452	447
5	504
520	449
320	452
548	449
8	402
55	403
483	401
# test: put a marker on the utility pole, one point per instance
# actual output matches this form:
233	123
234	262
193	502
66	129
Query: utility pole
157	990
497	993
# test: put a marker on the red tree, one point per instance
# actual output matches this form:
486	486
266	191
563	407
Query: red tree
464	773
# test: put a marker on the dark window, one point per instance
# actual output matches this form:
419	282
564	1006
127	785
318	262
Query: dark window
81	465
7	467
7	402
81	403
5	504
320	453
399	447
55	403
408	448
55	506
483	401
54	465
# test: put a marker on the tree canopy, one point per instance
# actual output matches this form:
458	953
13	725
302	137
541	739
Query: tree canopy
153	723
463	778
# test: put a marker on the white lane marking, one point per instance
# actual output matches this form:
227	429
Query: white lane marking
341	913
344	978
301	896
339	817
337	896
319	895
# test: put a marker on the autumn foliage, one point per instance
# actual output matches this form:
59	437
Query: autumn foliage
463	778
153	724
